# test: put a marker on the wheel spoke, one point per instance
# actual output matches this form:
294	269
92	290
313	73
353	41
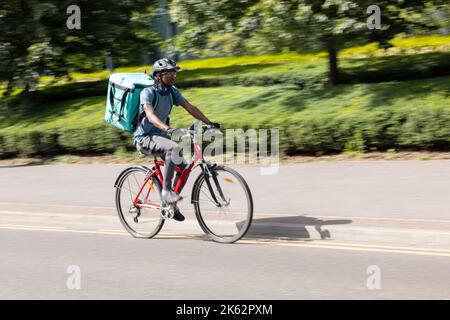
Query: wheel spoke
206	195
124	188
203	201
129	189
140	222
224	223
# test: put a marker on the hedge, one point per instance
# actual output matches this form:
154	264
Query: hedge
89	139
306	133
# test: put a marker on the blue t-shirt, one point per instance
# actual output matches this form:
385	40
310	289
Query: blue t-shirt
162	110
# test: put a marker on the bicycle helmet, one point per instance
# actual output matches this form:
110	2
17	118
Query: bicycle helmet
164	64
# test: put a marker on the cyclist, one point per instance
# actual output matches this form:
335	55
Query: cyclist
153	134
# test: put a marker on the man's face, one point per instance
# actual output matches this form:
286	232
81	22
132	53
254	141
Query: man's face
168	78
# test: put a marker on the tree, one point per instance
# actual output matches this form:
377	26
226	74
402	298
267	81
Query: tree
298	24
15	37
335	24
199	19
36	41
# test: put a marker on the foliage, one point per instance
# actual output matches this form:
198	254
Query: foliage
361	117
296	25
304	71
35	40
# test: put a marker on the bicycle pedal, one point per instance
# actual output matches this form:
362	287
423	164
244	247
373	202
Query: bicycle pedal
167	212
168	216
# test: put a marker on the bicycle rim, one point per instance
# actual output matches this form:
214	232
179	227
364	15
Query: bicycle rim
230	222
148	222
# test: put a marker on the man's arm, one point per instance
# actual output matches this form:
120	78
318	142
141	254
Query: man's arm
195	112
153	118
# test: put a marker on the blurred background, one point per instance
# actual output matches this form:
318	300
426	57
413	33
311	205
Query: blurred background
331	75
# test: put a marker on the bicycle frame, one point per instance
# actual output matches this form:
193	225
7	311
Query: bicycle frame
156	171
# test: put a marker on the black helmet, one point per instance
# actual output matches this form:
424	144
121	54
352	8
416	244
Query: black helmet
164	64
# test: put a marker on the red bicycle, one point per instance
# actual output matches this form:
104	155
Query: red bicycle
221	198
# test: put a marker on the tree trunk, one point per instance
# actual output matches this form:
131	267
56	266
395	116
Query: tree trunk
333	75
9	87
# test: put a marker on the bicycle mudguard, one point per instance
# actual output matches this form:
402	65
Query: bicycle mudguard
126	170
195	185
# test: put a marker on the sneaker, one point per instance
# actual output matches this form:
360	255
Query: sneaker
169	197
178	216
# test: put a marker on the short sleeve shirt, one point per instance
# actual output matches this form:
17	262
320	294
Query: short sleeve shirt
162	109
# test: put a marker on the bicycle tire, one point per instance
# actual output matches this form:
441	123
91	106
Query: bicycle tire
121	180
195	200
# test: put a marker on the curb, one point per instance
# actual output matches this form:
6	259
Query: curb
424	233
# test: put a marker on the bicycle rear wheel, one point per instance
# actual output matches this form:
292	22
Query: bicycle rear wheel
229	219
140	222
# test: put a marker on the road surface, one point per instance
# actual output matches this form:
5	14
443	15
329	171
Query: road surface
342	230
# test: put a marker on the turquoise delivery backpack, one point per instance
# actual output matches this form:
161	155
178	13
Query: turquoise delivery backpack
123	100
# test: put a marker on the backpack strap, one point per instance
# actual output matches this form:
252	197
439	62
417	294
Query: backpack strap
141	113
155	103
122	101
155	100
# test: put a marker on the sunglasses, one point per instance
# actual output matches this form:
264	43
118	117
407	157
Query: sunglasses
174	72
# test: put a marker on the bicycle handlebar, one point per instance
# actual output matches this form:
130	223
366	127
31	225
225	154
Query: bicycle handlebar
193	127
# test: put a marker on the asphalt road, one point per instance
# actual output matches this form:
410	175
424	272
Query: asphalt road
37	265
58	223
381	189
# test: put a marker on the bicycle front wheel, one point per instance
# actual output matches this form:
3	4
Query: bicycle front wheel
140	222
225	216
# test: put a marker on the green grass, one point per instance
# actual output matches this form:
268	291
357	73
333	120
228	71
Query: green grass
307	74
274	106
58	115
408	114
242	97
203	68
357	64
239	106
378	107
434	42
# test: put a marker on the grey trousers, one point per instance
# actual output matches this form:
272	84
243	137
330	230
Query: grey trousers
168	149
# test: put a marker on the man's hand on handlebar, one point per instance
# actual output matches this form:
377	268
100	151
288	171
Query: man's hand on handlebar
213	125
210	126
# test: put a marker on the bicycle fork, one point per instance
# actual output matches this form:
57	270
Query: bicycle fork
212	174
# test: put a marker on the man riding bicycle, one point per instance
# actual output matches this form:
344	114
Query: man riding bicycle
153	134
